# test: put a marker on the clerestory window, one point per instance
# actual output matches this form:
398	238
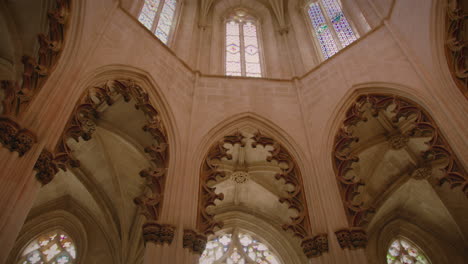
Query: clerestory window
331	28
243	56
158	16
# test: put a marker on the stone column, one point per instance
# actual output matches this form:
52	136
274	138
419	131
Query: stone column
18	189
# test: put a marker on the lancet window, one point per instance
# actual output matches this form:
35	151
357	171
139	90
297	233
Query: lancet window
50	248
158	16
243	56
239	248
331	28
402	251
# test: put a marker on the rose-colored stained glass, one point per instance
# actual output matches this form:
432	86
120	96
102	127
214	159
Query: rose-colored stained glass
166	19
148	13
340	23
322	31
237	249
251	51
402	251
50	248
233	49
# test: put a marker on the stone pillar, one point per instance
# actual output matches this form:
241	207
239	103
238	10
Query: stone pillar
18	189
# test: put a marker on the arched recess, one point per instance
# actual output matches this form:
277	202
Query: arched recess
56	218
390	157
244	164
58	42
105	136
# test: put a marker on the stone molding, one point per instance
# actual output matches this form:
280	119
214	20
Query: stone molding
36	71
315	246
456	43
158	233
453	173
15	138
351	238
194	241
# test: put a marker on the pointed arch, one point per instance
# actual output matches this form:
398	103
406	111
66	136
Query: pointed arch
229	132
365	104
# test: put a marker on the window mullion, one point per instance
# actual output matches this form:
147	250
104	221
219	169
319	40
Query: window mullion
242	57
156	17
330	25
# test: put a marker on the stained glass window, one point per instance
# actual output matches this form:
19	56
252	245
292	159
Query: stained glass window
332	29
158	16
402	251
237	248
50	248
242	49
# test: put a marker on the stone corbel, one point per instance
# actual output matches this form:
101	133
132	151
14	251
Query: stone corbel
315	246
15	138
351	238
194	241
158	233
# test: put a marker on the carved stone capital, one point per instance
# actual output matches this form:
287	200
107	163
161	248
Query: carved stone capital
15	138
194	241
158	233
315	246
45	167
353	238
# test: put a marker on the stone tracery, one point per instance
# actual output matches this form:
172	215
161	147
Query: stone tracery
403	121
215	170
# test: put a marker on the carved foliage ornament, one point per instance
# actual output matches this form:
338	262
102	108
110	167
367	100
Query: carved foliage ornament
15	138
209	174
82	125
299	225
158	233
438	148
315	246
194	241
457	42
36	70
353	238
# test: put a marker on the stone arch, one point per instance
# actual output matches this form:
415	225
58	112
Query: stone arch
229	132
447	23
155	92
104	90
51	217
402	124
56	45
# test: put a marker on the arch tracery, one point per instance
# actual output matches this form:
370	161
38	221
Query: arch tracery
403	129
262	163
83	124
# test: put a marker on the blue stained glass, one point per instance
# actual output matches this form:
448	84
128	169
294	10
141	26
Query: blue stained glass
322	30
340	23
148	13
166	19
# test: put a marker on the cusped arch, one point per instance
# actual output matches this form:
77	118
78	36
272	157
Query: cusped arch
420	124
282	150
156	96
